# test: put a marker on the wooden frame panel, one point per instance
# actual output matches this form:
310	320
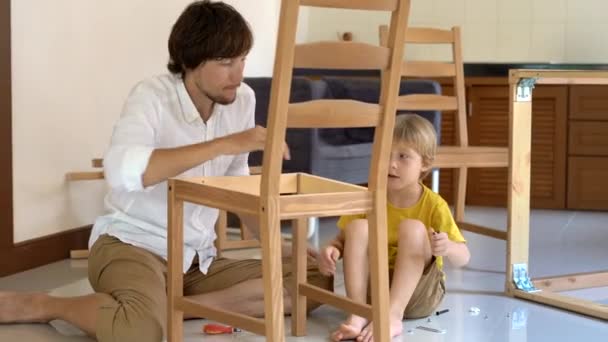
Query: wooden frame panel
341	55
572	281
380	5
428	69
217	197
325	204
471	156
333	113
309	184
518	220
427	102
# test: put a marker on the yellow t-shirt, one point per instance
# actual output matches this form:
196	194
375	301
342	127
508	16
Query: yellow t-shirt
432	210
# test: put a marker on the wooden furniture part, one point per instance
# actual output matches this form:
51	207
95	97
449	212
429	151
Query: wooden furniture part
588	147
521	83
488	120
273	196
222	243
462	156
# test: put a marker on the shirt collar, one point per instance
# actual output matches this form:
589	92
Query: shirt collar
188	109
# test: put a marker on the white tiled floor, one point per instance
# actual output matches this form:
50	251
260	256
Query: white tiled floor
561	243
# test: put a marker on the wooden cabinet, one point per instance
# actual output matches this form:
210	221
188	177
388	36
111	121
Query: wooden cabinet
569	144
588	148
448	137
488	124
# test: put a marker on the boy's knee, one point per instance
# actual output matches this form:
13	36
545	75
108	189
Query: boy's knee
358	228
410	227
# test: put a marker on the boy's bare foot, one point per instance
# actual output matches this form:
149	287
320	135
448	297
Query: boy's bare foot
396	328
350	329
18	307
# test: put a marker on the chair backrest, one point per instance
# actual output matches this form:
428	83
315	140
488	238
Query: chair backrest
334	113
431	69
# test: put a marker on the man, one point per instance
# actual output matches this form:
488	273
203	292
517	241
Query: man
196	121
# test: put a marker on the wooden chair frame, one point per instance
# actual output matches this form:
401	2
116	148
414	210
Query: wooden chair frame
273	196
462	156
521	83
222	243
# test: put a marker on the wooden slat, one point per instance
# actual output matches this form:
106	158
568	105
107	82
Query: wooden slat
377	5
79	254
491	232
344	303
245	322
427	102
425	35
572	281
97	162
308	184
321	205
333	113
255	170
341	55
217	197
584	307
299	261
562	76
471	156
428	69
518	206
247	184
175	263
421	35
79	176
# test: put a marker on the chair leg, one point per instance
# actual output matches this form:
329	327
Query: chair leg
460	185
221	232
270	238
378	265
175	276
299	261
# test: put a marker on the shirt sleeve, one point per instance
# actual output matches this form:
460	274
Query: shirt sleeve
133	141
443	221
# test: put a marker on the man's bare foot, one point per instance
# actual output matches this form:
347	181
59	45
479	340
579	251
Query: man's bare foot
18	307
350	329
396	328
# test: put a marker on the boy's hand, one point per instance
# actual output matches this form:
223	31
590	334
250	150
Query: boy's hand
440	243
327	260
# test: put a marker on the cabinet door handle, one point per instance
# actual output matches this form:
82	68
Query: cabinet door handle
470	109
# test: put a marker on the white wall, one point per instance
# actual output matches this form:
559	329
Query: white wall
73	64
570	31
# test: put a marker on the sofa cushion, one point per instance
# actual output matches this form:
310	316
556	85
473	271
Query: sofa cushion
298	139
368	90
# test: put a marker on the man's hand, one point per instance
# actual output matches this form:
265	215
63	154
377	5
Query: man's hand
253	139
327	260
440	243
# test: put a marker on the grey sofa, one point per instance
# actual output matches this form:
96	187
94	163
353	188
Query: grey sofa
341	154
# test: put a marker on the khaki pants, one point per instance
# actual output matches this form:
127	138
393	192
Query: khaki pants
137	280
428	293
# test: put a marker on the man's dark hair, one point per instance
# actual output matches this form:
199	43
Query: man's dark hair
204	31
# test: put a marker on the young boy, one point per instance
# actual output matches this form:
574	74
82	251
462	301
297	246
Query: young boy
421	231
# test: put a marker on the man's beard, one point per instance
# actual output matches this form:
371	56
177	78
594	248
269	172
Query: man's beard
221	99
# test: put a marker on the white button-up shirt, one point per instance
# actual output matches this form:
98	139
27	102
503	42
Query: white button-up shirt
160	114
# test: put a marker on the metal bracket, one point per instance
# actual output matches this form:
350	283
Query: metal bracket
524	89
521	278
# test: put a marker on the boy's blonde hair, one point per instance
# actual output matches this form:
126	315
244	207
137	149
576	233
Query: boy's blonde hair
419	134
